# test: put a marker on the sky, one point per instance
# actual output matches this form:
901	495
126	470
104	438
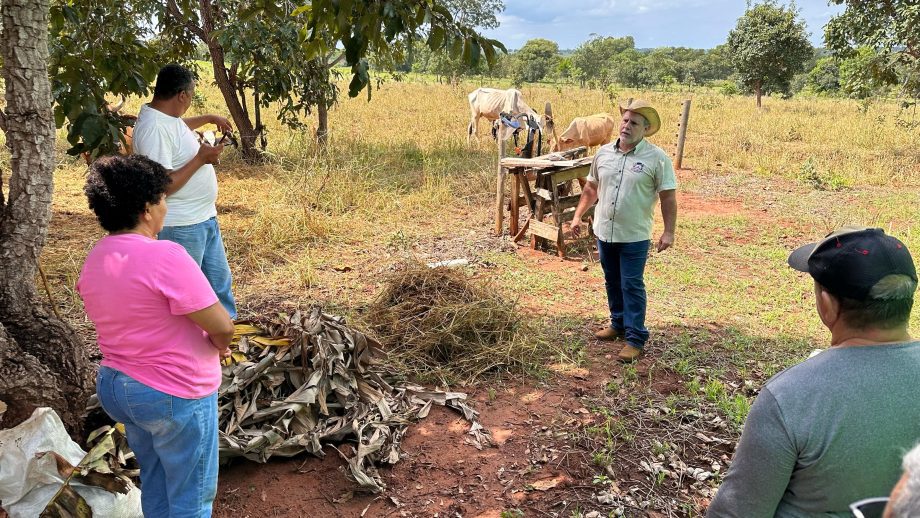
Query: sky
701	24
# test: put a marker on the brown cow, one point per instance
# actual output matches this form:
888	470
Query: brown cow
593	130
126	147
491	102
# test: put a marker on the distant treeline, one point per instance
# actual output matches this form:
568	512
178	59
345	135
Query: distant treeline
603	61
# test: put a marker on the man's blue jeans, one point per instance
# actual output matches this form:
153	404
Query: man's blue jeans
624	265
174	440
204	243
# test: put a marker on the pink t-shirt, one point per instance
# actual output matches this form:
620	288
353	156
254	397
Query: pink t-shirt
137	291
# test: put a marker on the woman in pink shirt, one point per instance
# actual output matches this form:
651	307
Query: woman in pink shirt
162	333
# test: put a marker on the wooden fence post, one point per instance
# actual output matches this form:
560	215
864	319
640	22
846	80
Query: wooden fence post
682	133
500	184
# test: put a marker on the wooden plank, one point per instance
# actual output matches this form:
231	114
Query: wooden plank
557	219
521	232
539	211
568	153
568	215
557	177
535	162
525	185
567	202
544	230
541	163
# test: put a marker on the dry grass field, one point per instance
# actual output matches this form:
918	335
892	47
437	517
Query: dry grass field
399	181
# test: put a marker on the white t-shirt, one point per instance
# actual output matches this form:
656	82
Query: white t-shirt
169	141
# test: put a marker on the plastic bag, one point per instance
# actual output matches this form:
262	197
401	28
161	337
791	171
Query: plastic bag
28	483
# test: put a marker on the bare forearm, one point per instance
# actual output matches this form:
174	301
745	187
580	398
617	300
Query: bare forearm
221	340
198	121
215	321
669	211
588	198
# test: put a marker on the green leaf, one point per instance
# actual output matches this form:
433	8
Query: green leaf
456	48
435	38
475	52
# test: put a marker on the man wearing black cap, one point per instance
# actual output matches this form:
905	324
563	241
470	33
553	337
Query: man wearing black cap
832	429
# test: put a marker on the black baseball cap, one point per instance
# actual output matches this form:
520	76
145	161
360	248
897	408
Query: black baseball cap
850	261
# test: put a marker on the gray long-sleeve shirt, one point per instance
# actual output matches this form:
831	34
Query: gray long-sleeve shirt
825	433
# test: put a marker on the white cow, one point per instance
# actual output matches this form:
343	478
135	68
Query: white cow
490	102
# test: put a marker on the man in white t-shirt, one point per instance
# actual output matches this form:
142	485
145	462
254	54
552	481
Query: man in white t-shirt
163	135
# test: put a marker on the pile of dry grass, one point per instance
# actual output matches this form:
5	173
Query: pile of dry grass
440	322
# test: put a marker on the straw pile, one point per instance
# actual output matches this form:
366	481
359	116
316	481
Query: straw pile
438	321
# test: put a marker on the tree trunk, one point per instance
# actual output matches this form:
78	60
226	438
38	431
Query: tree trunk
322	124
227	88
758	89
42	360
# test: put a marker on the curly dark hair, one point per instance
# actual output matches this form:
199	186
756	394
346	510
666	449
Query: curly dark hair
119	188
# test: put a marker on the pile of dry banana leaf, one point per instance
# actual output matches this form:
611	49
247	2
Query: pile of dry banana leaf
304	380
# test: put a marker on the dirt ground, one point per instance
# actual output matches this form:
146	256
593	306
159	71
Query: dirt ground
532	468
596	439
544	462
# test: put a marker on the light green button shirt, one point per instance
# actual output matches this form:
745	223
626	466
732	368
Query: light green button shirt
627	190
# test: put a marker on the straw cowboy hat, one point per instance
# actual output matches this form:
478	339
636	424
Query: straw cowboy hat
644	109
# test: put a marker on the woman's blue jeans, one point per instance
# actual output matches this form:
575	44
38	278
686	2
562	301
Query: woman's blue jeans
205	244
173	439
624	266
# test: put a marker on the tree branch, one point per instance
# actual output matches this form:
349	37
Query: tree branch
187	21
336	61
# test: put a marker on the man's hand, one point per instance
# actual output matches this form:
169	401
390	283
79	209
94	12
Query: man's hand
210	154
222	123
224	353
576	226
666	241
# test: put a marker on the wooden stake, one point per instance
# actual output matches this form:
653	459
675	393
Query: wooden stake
500	186
682	133
515	198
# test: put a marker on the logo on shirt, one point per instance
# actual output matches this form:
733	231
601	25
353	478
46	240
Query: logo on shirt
638	167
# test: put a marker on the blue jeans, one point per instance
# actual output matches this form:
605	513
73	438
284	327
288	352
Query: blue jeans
174	440
624	264
204	243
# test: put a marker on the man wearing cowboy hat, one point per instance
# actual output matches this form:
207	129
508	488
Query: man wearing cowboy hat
627	177
831	430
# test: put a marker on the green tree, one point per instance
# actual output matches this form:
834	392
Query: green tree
564	68
595	57
274	51
537	58
863	74
824	78
42	360
666	65
630	68
769	45
884	36
479	14
715	64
